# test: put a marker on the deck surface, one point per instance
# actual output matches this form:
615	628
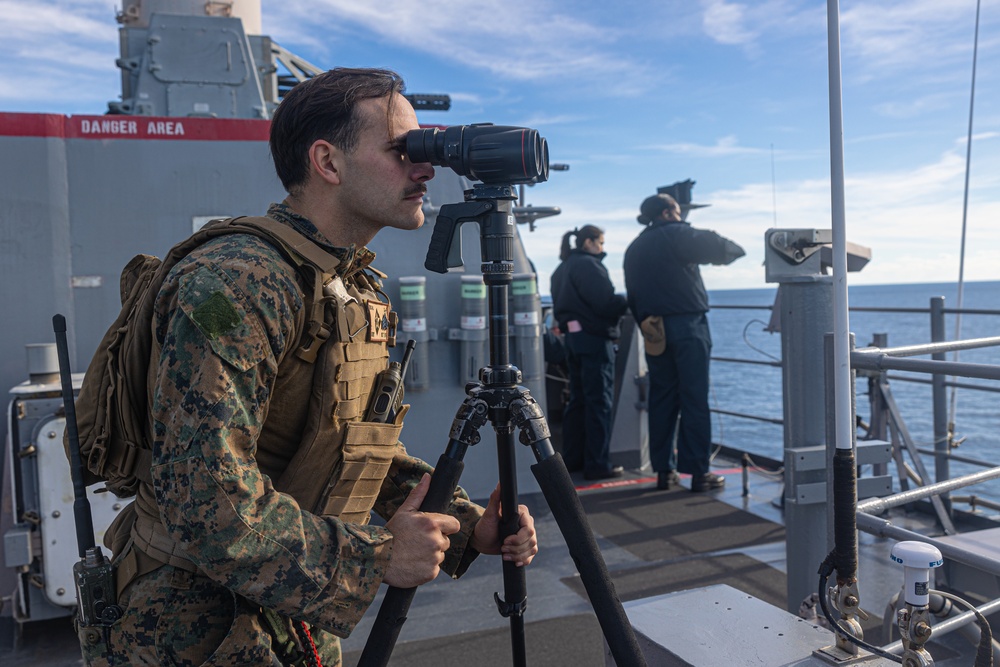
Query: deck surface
653	542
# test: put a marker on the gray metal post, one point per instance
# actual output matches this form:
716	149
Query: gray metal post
806	316
942	429
796	259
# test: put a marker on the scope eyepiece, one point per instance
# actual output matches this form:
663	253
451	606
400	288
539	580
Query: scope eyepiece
495	154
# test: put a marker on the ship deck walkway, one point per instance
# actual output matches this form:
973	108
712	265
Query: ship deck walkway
654	542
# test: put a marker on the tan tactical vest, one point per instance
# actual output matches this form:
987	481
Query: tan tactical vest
319	451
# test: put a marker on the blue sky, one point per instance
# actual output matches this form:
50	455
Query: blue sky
635	94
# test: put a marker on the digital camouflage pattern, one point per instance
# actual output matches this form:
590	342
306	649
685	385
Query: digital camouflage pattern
228	320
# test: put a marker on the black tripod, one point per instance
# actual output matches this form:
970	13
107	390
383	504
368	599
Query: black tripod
499	399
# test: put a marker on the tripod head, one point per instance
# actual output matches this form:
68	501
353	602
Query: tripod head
501	157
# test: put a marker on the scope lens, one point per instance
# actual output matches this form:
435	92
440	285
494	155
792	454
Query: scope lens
489	153
544	159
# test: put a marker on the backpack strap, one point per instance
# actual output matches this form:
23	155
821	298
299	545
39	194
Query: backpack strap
150	537
116	387
302	250
308	258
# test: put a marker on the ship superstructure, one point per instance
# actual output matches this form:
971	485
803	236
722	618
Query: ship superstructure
187	143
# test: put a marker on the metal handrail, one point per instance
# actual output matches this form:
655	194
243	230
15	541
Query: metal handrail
873	359
946	311
933	348
942	628
879	527
955	457
770	420
885	359
974	500
758	362
958	385
879	505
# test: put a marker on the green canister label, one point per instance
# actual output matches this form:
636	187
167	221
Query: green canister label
523	287
473	291
412	293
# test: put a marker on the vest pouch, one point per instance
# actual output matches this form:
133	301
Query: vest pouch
367	454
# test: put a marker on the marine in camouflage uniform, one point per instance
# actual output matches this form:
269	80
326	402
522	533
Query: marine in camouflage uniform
227	322
251	545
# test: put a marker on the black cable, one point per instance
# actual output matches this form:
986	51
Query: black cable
752	346
984	652
824	575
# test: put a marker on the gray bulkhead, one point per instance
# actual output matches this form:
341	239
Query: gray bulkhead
85	206
81	195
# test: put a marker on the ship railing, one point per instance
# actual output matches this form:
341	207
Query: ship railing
757	462
882	363
938	347
880	360
876	361
868	521
939	379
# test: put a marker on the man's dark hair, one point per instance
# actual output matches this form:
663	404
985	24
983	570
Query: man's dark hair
323	107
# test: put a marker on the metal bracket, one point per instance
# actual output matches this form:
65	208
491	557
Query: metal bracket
508	609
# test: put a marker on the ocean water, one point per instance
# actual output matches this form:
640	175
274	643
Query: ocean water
756	389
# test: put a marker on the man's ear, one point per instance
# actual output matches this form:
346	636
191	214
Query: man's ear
326	161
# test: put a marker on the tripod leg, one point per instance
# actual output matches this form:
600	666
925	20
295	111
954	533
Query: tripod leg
395	605
514	583
556	485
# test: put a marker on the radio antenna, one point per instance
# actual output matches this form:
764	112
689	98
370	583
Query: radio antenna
965	215
81	505
96	594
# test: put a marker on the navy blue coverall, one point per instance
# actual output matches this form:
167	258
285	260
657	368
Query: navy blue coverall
662	278
588	311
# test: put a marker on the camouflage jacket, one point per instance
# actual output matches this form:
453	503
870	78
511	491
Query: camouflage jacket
216	393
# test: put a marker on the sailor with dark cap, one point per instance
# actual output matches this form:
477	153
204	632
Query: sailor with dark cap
668	299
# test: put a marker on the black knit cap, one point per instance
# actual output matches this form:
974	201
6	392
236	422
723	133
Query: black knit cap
653	206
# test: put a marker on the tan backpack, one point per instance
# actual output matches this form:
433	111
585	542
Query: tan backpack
112	408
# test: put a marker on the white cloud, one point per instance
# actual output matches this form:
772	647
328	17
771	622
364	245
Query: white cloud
542	120
749	24
520	41
878	39
59	52
889	37
467	98
911	108
87	19
726	22
910	218
977	137
724	147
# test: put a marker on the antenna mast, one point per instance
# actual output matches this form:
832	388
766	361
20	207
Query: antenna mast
965	216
